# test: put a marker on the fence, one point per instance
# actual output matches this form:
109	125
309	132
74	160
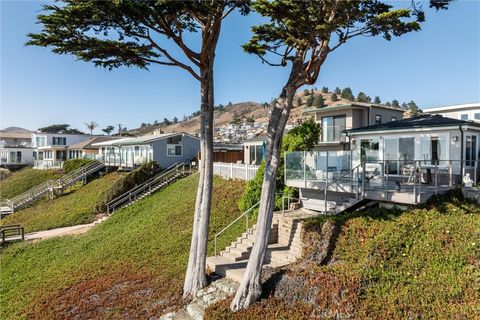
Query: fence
235	170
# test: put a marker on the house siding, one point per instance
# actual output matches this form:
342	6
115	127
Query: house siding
190	147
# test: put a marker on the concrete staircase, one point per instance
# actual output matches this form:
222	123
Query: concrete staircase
285	247
337	202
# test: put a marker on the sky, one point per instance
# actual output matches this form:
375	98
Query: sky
440	65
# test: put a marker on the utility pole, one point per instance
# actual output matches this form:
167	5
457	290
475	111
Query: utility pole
120	129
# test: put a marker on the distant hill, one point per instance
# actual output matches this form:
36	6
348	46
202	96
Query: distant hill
241	110
15	129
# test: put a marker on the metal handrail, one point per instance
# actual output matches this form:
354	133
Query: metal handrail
231	223
142	187
337	180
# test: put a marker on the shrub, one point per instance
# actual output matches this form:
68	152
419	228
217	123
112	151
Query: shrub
74	164
130	180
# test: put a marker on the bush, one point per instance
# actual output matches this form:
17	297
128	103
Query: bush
130	180
74	164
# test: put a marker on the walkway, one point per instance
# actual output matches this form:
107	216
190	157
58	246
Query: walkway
65	231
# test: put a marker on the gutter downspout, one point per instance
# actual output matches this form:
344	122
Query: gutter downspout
461	153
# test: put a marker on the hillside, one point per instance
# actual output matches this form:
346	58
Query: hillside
77	207
379	264
240	110
129	267
23	180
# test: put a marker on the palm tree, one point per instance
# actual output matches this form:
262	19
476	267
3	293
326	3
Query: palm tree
91	126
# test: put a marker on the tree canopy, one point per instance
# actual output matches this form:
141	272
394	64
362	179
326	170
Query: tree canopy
60	128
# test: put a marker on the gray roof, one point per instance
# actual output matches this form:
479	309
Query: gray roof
228	146
422	121
142	140
351	105
89	143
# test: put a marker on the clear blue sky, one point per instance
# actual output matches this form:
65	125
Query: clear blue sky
439	65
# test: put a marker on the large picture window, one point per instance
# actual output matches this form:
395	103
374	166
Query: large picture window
434	149
471	150
59	141
332	128
369	150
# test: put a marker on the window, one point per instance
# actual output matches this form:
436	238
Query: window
174	150
19	156
471	150
434	149
476	116
137	151
40	141
174	140
332	128
378	119
12	156
59	141
369	150
394	118
464	116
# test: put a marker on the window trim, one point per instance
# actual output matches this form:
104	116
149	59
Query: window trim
394	119
378	116
174	146
464	114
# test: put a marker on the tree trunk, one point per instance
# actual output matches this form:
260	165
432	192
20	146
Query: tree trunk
195	276
251	287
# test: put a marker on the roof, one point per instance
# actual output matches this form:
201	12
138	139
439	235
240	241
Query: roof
422	121
228	146
351	105
88	144
142	140
455	107
15	135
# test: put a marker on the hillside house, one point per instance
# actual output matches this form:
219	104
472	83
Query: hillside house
335	119
400	162
165	149
15	149
51	149
467	111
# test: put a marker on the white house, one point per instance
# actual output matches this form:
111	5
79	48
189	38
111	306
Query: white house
16	149
467	111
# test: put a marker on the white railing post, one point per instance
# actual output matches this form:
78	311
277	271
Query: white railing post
246	172
231	170
305	168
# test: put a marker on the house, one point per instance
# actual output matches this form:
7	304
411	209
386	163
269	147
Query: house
467	111
254	149
16	149
51	149
401	162
335	119
229	153
166	149
86	148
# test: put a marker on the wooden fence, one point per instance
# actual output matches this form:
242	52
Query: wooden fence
235	170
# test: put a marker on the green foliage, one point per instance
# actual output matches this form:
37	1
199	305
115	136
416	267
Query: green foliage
338	91
324	89
377	100
310	100
347	94
422	263
138	255
74	164
24	180
76	207
319	102
306	92
362	97
302	137
60	128
395	103
130	180
299	101
413	110
334	97
249	120
108	130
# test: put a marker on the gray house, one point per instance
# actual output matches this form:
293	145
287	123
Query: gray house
165	149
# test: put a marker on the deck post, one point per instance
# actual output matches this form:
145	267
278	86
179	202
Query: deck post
436	178
475	172
415	182
231	170
385	171
305	168
420	182
246	171
450	173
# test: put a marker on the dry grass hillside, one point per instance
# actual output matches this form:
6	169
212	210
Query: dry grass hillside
242	110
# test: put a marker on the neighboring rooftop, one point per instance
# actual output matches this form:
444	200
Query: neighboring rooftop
15	135
142	140
351	105
422	121
88	144
228	146
455	107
